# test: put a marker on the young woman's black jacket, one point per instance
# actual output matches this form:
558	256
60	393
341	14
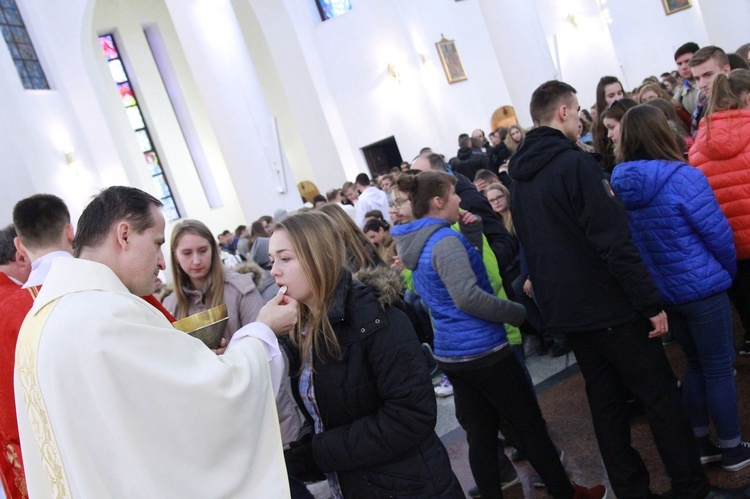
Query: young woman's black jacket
377	402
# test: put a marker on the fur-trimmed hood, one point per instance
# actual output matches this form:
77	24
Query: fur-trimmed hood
385	280
250	268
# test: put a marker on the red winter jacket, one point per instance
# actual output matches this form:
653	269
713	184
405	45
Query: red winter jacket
722	152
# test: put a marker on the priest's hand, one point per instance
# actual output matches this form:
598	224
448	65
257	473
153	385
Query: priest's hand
300	462
280	314
222	347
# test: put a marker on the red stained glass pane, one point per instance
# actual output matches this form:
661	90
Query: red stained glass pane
153	163
126	94
108	47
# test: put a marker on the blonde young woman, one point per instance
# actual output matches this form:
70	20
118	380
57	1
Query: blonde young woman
200	281
514	138
359	375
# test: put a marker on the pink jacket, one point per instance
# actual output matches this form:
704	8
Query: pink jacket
722	152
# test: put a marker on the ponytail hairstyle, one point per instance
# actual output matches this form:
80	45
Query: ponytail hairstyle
645	134
321	254
727	91
423	188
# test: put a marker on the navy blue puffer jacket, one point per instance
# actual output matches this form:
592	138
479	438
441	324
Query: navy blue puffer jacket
683	237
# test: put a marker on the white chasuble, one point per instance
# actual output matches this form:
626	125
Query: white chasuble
114	402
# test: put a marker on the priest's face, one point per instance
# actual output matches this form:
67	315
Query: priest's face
287	269
142	259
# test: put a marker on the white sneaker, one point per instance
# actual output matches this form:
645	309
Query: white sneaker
444	388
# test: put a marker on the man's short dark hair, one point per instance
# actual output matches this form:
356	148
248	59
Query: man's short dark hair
464	141
547	98
687	48
239	230
40	220
709	52
425	150
7	248
486	175
477	142
362	179
319	198
112	205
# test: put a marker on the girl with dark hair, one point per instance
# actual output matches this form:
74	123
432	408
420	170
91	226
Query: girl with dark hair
611	117
471	344
359	375
608	90
686	243
722	152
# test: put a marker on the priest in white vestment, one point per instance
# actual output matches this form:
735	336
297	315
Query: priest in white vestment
114	402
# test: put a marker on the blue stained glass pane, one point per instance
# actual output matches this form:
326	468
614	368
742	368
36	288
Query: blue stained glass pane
143	140
118	72
6	34
13	17
20	35
26	51
333	8
8	4
2	17
162	188
39	83
169	209
14	53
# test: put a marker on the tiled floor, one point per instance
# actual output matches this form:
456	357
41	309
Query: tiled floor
563	401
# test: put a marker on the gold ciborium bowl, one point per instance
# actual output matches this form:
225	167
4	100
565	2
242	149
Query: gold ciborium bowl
208	326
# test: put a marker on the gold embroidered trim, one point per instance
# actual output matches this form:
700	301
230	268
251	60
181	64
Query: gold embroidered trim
34	292
13	458
27	350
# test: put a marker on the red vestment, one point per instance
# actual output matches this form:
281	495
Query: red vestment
7	286
13	311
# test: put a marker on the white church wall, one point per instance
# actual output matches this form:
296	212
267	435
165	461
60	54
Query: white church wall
726	22
38	126
229	87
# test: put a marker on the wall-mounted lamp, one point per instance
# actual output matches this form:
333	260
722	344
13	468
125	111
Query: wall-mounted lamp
572	20
394	72
74	164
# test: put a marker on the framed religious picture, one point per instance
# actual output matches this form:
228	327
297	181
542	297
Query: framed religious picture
672	6
452	65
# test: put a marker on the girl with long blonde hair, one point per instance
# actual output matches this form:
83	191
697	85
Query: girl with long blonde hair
358	375
200	281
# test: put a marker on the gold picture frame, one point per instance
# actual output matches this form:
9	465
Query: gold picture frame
672	6
452	65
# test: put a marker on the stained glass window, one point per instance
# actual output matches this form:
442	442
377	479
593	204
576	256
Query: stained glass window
332	8
21	50
133	112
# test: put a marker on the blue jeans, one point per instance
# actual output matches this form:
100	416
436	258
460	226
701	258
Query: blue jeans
704	330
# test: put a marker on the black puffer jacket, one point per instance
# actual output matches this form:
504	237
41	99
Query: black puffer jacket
377	403
468	162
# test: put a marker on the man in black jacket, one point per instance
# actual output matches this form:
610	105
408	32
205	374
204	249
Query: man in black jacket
590	282
470	158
